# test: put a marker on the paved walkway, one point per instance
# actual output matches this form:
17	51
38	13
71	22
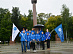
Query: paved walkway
56	48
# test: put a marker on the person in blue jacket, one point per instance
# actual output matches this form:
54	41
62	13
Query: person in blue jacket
28	41
30	32
40	31
33	30
48	35
38	39
33	41
27	31
43	40
23	30
23	40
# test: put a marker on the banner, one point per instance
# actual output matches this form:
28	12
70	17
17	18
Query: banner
59	31
15	31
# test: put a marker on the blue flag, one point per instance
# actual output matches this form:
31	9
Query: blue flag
59	31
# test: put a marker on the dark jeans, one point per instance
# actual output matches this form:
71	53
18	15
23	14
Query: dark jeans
43	46
33	45
48	43
38	45
28	45
23	43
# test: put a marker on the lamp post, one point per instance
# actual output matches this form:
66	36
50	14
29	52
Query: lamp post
34	12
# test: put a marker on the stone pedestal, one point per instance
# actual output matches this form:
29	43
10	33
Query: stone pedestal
57	39
11	42
36	29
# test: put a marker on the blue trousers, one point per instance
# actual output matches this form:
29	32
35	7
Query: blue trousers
23	43
28	44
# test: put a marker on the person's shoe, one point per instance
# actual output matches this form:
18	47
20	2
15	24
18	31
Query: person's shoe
34	51
48	48
25	51
22	51
28	50
43	49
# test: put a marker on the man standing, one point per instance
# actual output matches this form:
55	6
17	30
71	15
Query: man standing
23	40
48	35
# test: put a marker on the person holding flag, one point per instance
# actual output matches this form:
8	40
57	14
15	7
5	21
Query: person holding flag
23	29
23	40
48	35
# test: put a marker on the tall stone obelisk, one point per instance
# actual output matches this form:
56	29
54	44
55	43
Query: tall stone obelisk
34	12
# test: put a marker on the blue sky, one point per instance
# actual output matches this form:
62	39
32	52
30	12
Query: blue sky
42	6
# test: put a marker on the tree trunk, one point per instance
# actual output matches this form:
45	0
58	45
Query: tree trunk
66	34
8	42
66	37
3	42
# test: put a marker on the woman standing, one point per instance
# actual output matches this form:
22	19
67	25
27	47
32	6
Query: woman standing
28	41
48	35
23	40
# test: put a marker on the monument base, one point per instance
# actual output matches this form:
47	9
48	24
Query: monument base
36	29
57	39
11	42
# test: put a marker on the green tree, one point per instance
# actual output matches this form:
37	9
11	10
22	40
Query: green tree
2	13
6	27
16	17
70	28
65	20
29	23
41	19
23	21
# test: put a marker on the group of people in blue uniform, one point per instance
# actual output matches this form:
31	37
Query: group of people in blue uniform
32	37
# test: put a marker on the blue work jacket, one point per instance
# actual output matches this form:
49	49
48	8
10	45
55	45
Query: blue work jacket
23	36
47	35
38	37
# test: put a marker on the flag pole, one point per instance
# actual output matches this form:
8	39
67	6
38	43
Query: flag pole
51	31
